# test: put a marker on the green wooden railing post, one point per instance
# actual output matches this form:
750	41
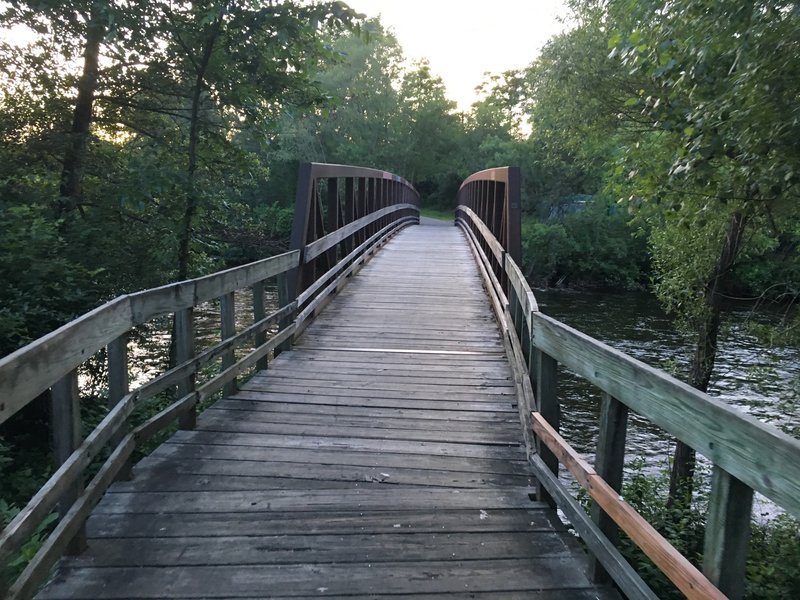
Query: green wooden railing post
259	312
546	393
227	309
609	463
727	533
184	350
66	423
118	387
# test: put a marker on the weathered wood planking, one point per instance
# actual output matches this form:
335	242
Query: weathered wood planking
381	456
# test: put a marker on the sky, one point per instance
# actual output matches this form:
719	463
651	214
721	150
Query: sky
463	39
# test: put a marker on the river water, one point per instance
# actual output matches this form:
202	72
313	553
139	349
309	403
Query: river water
763	382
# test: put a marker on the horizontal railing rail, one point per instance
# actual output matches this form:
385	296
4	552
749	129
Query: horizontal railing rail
374	206
746	454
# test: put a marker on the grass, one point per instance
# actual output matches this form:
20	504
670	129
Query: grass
437	213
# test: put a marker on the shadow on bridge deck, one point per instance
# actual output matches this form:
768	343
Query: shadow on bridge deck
380	457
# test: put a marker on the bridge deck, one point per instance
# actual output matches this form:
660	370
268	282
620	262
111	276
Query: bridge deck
380	457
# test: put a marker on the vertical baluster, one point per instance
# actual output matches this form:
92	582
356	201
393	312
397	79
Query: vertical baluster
361	207
258	314
349	213
609	462
66	428
118	387
546	380
333	218
184	350
727	533
372	199
227	310
286	295
303	218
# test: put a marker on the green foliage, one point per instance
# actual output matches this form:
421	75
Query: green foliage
773	569
42	285
16	564
587	248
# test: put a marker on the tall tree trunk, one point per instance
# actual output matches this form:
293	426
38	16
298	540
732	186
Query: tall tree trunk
683	465
190	209
71	188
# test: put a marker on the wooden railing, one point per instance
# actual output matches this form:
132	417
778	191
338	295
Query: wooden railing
375	206
746	454
341	211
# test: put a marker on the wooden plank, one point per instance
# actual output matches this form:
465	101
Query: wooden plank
672	563
378	401
217	422
148	304
281	411
238	476
343	579
164	526
381	383
189	454
353	547
399	373
313	500
727	533
29	371
756	453
417	392
334	444
445	422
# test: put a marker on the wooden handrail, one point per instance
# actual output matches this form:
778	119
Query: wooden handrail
747	455
376	206
29	371
686	577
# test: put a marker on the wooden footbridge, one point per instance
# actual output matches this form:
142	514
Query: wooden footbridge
388	430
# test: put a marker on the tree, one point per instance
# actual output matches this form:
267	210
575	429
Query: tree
721	93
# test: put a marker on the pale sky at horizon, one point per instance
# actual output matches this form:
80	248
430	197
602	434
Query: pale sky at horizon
463	39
